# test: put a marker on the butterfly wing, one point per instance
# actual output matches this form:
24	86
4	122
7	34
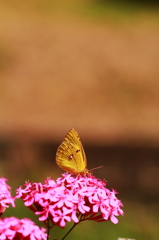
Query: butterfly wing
70	155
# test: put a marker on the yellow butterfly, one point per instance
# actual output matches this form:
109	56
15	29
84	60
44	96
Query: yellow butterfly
70	155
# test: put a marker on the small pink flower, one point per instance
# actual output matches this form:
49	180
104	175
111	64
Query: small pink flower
13	229
61	217
5	196
71	198
72	212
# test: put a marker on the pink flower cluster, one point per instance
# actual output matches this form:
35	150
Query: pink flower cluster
5	196
71	198
24	229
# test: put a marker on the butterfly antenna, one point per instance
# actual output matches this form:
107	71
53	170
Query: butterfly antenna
95	168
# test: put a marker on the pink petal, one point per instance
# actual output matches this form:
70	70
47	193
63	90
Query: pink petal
114	219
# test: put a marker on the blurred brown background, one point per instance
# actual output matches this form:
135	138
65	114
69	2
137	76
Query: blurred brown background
92	66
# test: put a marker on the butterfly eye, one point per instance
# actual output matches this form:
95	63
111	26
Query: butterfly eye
77	151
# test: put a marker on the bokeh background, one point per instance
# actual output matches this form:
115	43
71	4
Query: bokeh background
92	66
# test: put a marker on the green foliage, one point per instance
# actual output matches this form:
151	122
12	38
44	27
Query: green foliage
96	9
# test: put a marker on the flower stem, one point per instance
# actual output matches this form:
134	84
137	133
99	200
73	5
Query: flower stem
48	228
75	224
